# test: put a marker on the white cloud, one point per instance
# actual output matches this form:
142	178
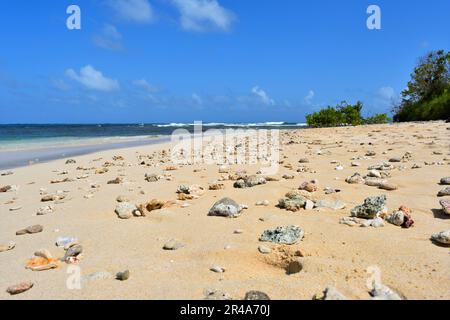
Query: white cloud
93	79
109	38
262	96
144	84
310	96
139	11
198	15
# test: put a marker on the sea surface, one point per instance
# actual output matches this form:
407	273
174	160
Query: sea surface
25	144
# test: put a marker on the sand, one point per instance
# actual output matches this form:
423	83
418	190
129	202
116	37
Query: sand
334	254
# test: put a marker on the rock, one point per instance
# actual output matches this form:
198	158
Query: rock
7	247
388	186
374	182
151	177
397	218
329	190
309	205
350	221
339	168
303	160
173	244
44	253
371	153
65	241
217	269
374	174
377	223
355	164
71	161
355	179
156	205
293	202
216	186
123	275
381	167
74	251
444	192
217	295
445	206
308	186
331	293
126	210
371	208
294	267
395	159
117	180
264	250
256	295
45	210
53	197
381	292
250	182
5	189
263	203
7	173
283	235
226	208
335	205
445	181
442	237
30	230
122	198
20	288
238	231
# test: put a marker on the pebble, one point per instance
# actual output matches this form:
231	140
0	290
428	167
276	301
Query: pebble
73	251
283	235
442	237
444	192
7	247
126	210
334	205
445	204
226	207
263	203
65	241
217	269
238	231
30	230
45	210
20	288
173	244
309	205
264	250
256	295
123	275
445	181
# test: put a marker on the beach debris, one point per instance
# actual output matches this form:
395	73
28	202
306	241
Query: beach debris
371	208
226	207
45	210
442	238
356	178
30	230
256	295
7	247
331	293
71	161
20	288
329	204
72	253
173	244
264	250
250	181
294	266
42	261
401	218
123	275
151	177
283	235
445	204
217	269
444	192
65	242
126	210
445	181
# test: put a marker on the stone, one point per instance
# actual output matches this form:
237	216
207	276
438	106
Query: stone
329	190
374	173
294	267
395	159
74	251
303	160
5	189
217	269
292	202
123	275
329	204
356	178
371	208
388	186
445	204
371	153
377	223
308	186
442	238
173	244
126	210
250	181
151	177
256	295
374	182
288	176
65	241
309	205
350	221
263	203
20	288
397	218
216	186
44	253
53	197
30	230
7	247
45	210
444	192
445	181
117	180
226	207
283	235
264	250
355	164
238	231
216	295
71	161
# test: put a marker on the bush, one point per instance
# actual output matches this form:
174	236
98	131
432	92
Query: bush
378	119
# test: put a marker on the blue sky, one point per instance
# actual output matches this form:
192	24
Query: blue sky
210	60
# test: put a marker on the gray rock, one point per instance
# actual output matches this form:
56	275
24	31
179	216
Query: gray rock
217	269
371	207
30	230
397	218
442	237
256	295
74	251
388	186
126	210
151	177
283	235
445	204
263	203
374	182
445	181
250	181
356	178
293	202
226	208
123	275
377	223
444	192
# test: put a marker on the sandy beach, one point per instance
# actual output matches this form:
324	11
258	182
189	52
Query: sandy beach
331	253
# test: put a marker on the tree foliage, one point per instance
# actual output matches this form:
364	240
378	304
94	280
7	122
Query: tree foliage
427	96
